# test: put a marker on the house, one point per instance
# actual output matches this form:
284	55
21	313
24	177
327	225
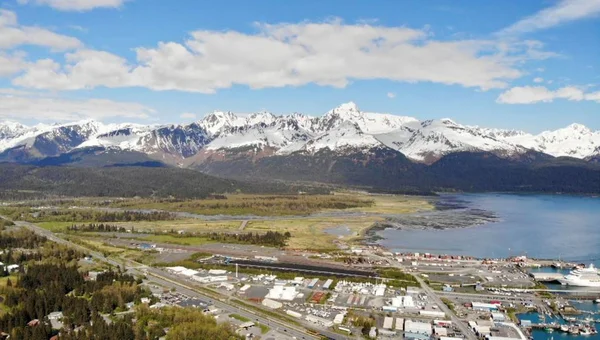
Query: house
56	320
12	267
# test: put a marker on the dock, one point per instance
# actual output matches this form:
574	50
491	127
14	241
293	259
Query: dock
546	277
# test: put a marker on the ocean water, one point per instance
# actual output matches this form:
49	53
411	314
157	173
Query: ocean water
540	226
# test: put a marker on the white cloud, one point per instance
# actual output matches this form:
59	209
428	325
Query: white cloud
327	54
11	63
76	5
538	80
78	28
188	115
87	69
537	94
12	34
564	11
391	95
20	106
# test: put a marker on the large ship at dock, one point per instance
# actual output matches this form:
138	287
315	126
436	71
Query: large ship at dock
585	277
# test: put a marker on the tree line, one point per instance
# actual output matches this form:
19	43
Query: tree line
270	238
97	227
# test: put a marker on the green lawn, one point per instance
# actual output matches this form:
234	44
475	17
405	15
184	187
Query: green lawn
55	227
13	278
239	317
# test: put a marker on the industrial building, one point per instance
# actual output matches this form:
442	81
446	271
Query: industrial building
399	324
282	293
388	322
272	304
418	327
486	307
403	301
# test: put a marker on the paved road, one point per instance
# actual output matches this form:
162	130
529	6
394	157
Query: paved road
170	281
467	332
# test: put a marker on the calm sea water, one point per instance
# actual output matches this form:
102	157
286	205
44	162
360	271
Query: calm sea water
541	226
542	335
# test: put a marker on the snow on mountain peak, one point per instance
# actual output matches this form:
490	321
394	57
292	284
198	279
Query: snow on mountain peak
347	107
344	128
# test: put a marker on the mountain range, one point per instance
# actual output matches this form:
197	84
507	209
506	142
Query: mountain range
345	129
345	145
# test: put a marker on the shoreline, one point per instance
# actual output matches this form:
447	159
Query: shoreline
469	217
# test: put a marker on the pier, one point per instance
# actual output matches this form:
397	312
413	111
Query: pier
546	277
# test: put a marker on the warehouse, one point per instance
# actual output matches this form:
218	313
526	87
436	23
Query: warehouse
388	322
327	284
293	314
432	313
403	301
319	321
480	306
418	327
440	331
339	318
399	324
272	304
282	293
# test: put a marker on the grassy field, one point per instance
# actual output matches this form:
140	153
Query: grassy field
307	232
311	233
12	277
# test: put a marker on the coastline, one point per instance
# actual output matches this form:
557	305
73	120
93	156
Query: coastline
449	213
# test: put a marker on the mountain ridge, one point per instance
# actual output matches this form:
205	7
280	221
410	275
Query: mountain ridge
345	129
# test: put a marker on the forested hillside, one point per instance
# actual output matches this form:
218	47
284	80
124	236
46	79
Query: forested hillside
126	182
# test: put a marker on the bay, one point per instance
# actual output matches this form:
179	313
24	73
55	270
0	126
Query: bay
539	226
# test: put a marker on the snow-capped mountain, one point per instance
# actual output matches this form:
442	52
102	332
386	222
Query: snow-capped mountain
575	141
345	129
429	140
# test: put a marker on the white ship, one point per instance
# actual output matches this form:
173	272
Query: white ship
585	277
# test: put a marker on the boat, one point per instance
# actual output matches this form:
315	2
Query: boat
584	277
549	329
585	331
597	301
564	328
574	330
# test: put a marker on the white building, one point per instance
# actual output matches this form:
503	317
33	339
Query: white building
418	327
440	331
403	301
432	313
282	293
399	324
339	318
388	322
272	304
217	272
294	314
379	290
319	321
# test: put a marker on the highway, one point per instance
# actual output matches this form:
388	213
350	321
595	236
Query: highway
170	281
467	332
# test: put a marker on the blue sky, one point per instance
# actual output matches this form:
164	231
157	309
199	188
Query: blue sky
531	65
